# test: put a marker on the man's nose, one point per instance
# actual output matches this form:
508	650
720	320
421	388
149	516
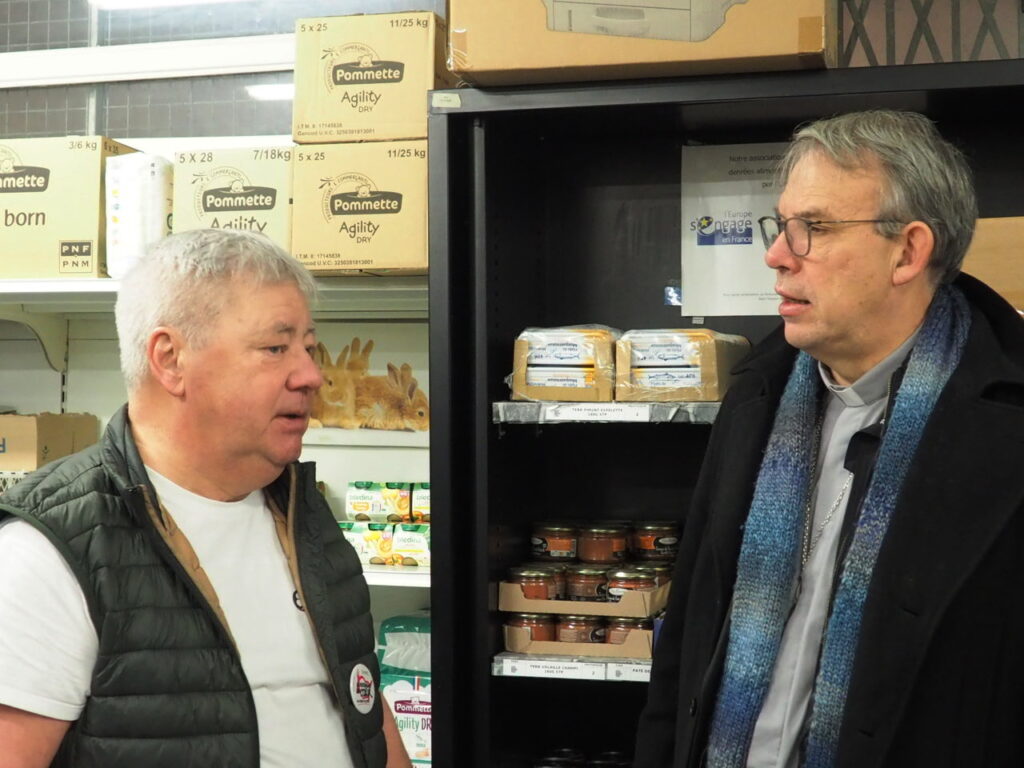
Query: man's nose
779	255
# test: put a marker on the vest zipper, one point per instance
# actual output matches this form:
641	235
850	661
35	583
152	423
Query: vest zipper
302	595
175	564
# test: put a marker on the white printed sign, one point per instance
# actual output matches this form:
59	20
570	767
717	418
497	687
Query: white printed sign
726	189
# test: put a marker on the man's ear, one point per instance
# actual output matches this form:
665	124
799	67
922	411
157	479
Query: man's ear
165	351
915	253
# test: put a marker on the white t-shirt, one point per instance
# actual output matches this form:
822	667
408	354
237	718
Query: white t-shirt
48	644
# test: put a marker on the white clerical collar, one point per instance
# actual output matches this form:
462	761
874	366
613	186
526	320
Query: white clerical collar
874	384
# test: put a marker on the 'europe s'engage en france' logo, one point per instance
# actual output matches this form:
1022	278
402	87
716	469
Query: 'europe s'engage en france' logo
734	228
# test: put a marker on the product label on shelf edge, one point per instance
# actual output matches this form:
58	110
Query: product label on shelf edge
596	412
629	671
569	670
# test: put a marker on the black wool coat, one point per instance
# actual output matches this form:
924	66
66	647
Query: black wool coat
938	679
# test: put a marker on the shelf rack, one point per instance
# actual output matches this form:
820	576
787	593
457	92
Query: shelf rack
522	412
508	664
43	305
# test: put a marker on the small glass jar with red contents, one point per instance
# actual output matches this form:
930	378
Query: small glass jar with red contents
541	625
654	541
622	581
554	541
588	583
580	629
662	571
603	544
558	570
619	628
536	583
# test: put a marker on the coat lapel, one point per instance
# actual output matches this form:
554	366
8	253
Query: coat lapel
961	491
749	424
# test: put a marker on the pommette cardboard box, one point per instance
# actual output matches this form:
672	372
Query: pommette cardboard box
639	644
540	41
52	206
240	188
365	78
29	441
635	604
701	361
361	208
994	257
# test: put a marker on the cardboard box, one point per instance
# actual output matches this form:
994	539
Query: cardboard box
365	78
639	644
879	32
242	188
535	41
361	208
574	365
676	365
994	257
30	441
52	206
634	603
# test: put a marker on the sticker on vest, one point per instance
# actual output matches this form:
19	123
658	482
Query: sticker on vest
361	688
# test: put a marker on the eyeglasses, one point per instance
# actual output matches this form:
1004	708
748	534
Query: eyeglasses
798	230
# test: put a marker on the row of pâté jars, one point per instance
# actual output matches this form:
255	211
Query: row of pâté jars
589	563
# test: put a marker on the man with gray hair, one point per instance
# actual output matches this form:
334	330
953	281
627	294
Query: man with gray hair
848	587
180	594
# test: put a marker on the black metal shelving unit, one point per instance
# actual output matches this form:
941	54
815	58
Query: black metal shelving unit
560	205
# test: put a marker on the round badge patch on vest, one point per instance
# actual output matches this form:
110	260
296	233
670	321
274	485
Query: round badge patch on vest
362	689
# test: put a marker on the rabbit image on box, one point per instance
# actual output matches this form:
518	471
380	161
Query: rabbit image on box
352	399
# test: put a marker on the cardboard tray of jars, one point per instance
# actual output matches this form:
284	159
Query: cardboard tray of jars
637	644
634	603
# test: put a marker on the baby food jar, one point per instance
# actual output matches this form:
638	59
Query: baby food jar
603	544
541	625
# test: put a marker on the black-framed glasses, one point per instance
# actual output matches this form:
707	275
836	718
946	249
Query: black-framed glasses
798	230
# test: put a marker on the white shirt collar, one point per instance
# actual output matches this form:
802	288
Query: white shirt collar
874	384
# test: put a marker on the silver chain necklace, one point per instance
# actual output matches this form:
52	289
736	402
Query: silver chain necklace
809	542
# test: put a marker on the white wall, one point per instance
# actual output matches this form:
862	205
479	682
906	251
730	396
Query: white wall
94	385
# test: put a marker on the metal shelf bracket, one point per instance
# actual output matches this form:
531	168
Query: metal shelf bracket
50	329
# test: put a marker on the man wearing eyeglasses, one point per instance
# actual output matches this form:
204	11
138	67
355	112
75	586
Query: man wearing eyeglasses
848	591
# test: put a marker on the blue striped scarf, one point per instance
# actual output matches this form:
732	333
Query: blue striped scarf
769	561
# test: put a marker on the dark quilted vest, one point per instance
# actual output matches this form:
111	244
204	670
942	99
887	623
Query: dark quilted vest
168	690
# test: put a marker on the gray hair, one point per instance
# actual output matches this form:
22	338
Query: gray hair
180	282
925	177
